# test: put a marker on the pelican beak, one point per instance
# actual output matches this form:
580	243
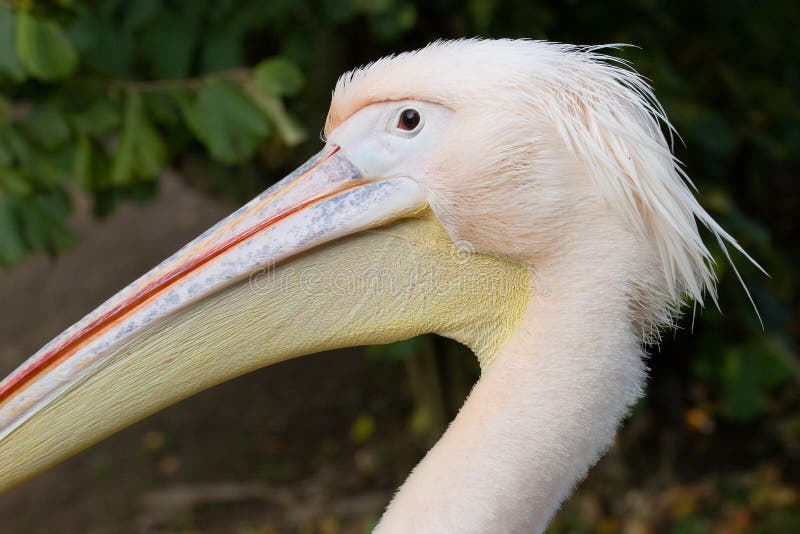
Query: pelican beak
323	259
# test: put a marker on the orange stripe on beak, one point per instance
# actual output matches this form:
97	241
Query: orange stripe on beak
70	345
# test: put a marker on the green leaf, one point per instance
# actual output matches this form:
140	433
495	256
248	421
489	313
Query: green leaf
9	63
230	125
43	49
278	77
102	43
221	50
62	158
141	152
289	130
5	111
44	225
17	146
90	165
139	13
12	248
161	108
99	118
6	155
44	169
389	23
34	228
46	126
82	163
41	167
43	172
168	43
745	386
13	182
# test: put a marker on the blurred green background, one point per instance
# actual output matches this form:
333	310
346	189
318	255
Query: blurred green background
126	109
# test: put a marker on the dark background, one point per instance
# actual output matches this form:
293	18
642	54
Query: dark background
126	128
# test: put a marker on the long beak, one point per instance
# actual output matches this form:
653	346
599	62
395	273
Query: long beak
255	289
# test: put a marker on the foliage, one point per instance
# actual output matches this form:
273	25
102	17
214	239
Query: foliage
104	94
74	105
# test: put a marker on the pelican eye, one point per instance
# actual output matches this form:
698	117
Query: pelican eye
409	120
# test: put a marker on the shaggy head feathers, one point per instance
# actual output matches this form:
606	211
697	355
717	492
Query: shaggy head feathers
603	113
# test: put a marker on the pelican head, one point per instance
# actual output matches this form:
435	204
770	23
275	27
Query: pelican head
517	196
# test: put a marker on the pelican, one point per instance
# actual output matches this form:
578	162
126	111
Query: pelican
520	197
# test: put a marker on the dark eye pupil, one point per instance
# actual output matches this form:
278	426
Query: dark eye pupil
409	119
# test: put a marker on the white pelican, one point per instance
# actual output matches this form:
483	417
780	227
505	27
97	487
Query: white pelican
517	196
